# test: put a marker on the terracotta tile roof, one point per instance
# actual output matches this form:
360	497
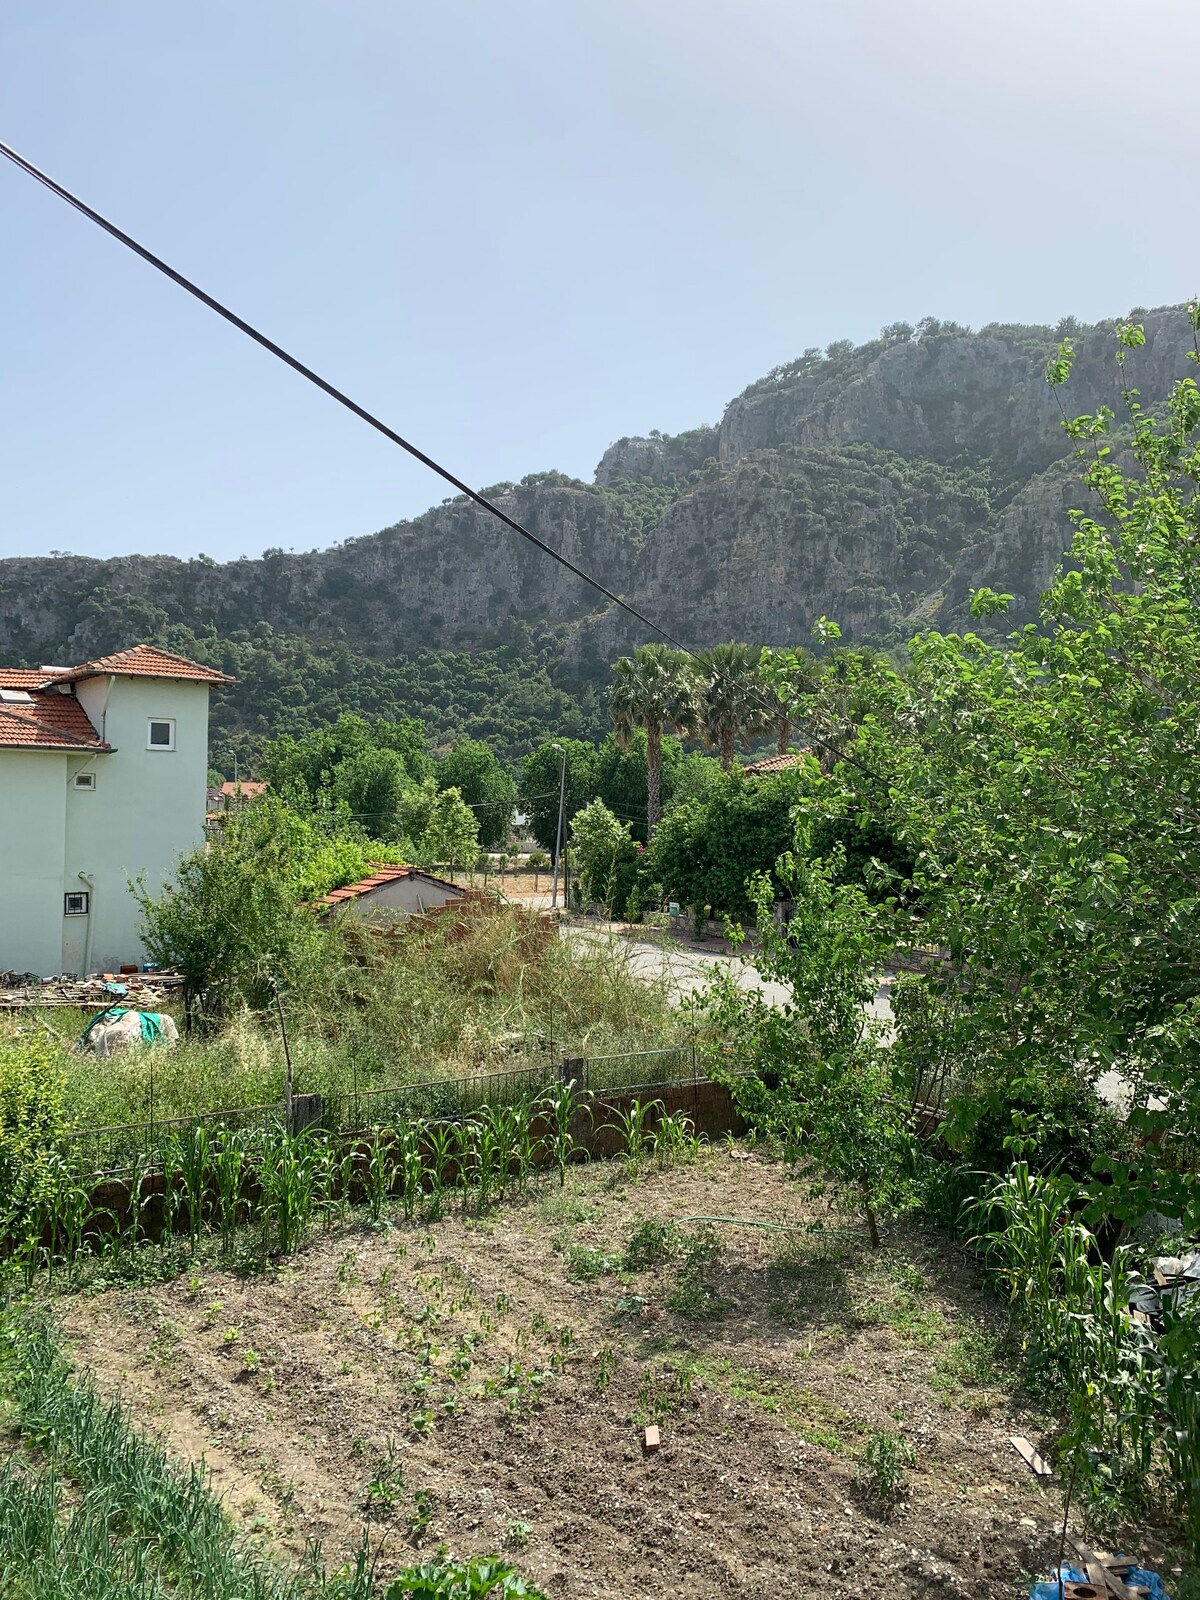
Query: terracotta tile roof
140	661
243	788
48	722
378	879
776	763
21	677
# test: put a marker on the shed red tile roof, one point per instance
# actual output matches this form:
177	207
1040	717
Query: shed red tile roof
376	881
776	763
139	661
243	788
48	722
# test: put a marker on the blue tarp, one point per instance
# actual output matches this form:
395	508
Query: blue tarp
1048	1589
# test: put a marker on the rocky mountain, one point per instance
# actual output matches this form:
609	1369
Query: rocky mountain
876	485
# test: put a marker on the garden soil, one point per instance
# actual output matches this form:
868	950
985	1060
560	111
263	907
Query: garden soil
484	1382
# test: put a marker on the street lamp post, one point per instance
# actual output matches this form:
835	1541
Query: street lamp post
562	791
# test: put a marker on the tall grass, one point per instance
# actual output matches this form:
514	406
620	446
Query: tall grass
454	997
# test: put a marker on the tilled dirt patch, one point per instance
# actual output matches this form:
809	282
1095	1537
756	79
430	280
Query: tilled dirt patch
484	1382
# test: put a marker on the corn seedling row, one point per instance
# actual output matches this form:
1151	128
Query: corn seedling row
215	1184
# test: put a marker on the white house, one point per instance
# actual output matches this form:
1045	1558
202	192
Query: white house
102	780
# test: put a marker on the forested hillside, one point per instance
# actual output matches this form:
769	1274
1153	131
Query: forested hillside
876	485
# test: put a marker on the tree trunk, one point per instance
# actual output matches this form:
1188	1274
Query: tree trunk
872	1225
728	738
653	776
785	734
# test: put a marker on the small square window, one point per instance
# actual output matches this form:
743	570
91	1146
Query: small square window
75	905
160	734
85	780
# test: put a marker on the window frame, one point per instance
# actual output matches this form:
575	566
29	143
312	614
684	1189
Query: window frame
85	910
85	782
151	724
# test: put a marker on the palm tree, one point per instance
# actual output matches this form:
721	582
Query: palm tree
653	690
730	695
789	680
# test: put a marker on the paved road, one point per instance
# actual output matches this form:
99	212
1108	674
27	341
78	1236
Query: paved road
688	970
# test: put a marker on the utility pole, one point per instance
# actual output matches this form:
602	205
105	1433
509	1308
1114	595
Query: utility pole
562	791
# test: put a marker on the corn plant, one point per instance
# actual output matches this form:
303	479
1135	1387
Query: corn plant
466	1138
675	1139
287	1183
191	1156
522	1116
558	1106
378	1176
229	1163
412	1172
442	1141
637	1137
487	1148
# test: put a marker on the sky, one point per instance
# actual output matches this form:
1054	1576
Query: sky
519	232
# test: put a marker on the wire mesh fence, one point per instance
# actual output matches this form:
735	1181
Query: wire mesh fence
115	1151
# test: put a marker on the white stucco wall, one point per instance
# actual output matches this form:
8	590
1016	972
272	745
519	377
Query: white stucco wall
401	897
33	794
147	808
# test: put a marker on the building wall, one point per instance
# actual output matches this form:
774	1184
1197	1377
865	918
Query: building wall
401	897
33	796
147	808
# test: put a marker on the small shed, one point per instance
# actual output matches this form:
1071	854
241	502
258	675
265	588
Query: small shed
391	893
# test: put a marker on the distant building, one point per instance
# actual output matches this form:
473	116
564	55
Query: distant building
238	792
764	769
391	893
102	773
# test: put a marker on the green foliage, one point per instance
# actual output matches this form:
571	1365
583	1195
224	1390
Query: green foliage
886	1458
485	785
705	852
483	1578
820	1079
311	763
234	920
597	840
32	1089
1131	1397
539	787
1047	793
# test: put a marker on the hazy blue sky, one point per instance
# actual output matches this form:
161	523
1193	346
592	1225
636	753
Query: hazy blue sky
522	230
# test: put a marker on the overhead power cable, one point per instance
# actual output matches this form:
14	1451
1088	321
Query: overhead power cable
251	332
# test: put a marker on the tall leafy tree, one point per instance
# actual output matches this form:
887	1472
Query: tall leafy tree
1051	794
654	690
729	696
473	768
539	786
621	777
788	681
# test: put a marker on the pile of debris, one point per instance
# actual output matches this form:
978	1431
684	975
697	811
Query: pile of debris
22	990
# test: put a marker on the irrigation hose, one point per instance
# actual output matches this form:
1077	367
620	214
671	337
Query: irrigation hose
749	1222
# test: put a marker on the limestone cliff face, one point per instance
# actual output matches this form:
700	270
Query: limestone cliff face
448	577
952	394
661	459
876	486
